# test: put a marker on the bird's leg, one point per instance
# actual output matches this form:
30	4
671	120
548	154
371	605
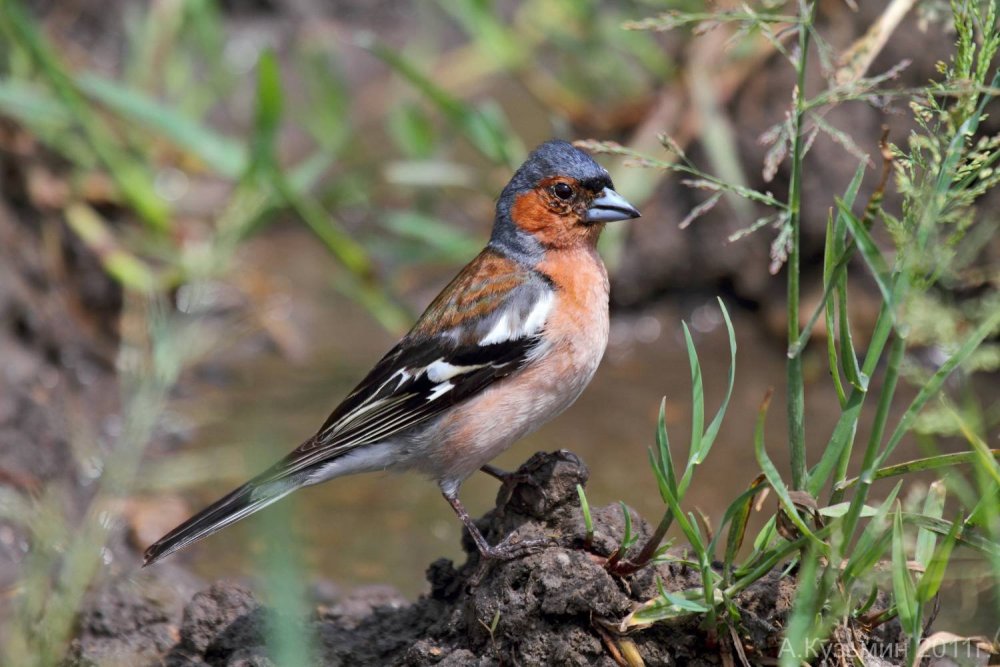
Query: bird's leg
506	550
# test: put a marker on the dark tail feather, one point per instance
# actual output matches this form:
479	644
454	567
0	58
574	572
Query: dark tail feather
239	504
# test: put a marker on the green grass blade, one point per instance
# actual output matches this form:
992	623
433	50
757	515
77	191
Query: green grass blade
968	536
32	106
870	546
933	385
835	258
838	451
903	589
588	520
663	445
829	313
872	256
713	428
667	492
927	539
628	539
772	474
131	177
921	465
737	515
843	434
267	114
870	463
798	646
221	153
481	128
936	564
697	411
667	606
848	353
984	456
120	264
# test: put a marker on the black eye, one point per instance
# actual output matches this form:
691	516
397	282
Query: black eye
562	190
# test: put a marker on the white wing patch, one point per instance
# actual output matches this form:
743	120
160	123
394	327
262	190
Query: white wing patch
441	370
439	391
500	332
536	318
509	327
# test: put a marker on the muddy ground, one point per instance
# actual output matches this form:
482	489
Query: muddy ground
559	606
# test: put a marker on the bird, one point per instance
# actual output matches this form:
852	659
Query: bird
511	342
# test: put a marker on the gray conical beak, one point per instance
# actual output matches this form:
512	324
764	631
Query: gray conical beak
610	207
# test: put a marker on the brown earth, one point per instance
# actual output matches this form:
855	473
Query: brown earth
556	607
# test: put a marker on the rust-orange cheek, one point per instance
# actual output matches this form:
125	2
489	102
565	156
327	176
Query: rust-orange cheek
554	224
532	213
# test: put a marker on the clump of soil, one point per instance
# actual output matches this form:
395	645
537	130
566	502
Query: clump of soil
554	607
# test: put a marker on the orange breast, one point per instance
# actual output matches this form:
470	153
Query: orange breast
582	292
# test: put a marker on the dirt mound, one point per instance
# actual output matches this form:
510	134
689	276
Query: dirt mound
552	607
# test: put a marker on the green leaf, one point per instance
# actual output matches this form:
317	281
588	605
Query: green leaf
131	177
967	536
835	259
588	520
984	456
667	492
933	507
697	407
120	264
932	386
450	242
221	153
767	533
663	445
872	256
737	515
840	509
267	113
668	606
843	435
485	128
412	131
871	545
772	474
713	428
32	106
920	465
903	590
934	568
702	439
628	539
801	624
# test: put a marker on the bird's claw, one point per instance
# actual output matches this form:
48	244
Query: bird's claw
509	548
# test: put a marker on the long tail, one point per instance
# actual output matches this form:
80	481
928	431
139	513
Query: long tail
244	501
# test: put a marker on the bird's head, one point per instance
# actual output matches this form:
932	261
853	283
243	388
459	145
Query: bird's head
559	198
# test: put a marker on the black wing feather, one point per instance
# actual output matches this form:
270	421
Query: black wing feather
406	401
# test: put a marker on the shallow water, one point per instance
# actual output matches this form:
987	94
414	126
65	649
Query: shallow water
384	528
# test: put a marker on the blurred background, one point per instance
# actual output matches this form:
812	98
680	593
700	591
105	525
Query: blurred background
296	180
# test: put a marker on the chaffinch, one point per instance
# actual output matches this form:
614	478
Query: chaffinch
510	343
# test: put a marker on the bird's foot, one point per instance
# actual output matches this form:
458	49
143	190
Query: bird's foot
507	549
510	548
506	478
